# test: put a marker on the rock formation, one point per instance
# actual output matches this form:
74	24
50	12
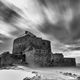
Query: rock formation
58	59
36	77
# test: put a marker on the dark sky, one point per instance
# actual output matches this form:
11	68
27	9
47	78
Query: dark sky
55	20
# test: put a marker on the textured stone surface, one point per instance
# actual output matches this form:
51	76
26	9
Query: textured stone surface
38	57
34	51
57	59
69	62
36	77
38	52
7	59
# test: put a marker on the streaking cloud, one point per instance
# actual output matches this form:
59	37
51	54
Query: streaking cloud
6	29
53	19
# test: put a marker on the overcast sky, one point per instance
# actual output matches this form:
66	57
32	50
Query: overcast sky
54	20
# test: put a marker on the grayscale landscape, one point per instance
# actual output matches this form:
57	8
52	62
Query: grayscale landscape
39	39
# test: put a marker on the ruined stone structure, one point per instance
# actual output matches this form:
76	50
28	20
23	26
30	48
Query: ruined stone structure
38	57
69	62
8	59
38	52
58	59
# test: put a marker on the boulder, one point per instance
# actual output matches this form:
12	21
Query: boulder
36	77
78	78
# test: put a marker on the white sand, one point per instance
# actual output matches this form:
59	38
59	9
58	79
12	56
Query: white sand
50	73
14	74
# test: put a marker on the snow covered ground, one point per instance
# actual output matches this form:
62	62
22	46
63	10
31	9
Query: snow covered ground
50	73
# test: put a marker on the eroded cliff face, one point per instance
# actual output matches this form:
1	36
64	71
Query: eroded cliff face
38	57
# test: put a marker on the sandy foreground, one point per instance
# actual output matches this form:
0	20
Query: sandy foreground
20	72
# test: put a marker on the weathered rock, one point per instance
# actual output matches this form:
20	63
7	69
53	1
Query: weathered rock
27	78
36	77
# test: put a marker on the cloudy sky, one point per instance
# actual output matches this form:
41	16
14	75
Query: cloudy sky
55	20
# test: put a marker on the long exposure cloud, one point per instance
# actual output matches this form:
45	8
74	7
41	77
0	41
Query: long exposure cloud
45	14
57	20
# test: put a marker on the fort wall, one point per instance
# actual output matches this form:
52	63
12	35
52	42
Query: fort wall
32	50
38	51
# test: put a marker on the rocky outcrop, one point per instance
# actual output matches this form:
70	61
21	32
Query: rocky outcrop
33	78
36	77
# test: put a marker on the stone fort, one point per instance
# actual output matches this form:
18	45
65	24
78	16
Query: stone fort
37	51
